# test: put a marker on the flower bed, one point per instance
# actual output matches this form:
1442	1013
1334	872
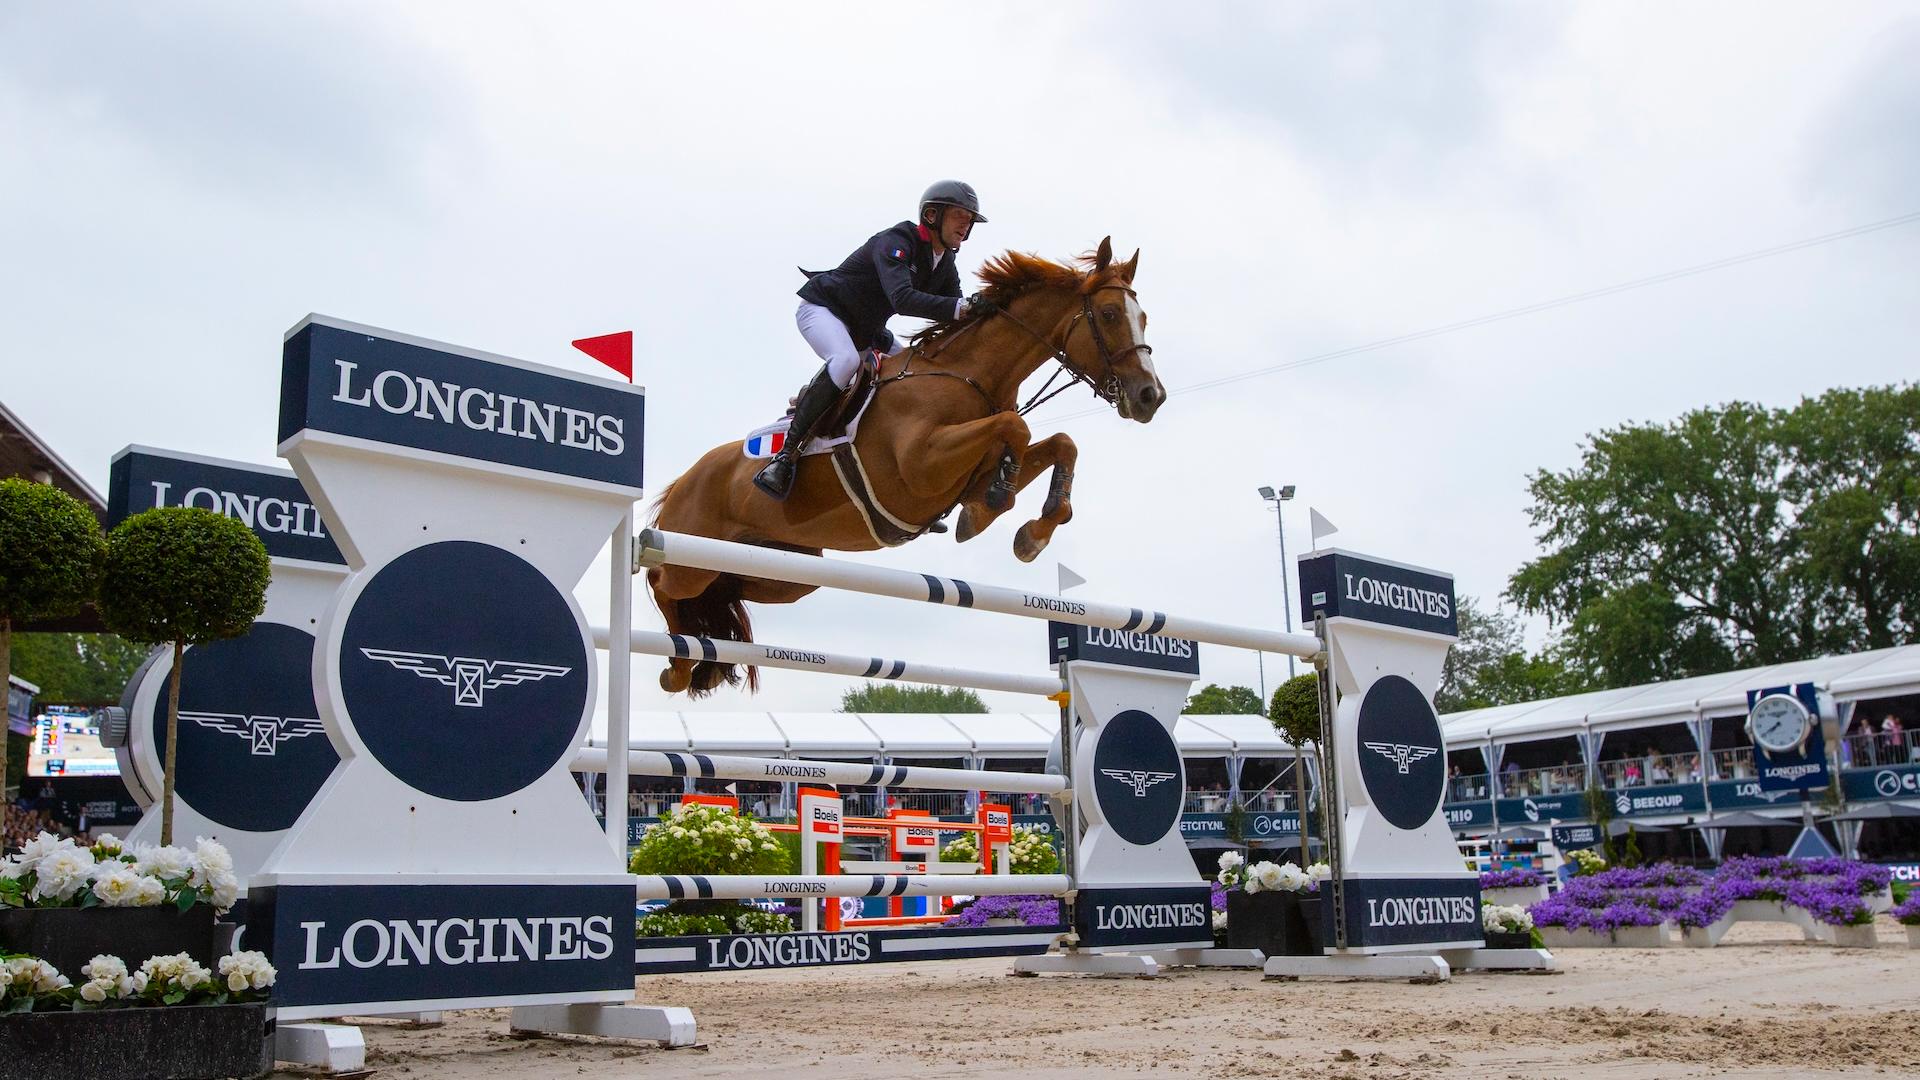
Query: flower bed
1517	887
701	839
1830	899
1024	910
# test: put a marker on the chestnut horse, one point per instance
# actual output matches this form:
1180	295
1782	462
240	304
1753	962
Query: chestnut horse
944	429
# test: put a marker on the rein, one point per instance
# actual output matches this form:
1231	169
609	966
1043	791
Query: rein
1107	389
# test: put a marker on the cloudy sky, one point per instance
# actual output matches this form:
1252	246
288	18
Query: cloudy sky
184	182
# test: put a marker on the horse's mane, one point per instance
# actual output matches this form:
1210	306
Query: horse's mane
1012	274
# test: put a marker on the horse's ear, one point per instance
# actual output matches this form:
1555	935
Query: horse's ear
1126	269
1104	256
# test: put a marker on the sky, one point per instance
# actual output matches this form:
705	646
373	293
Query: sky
185	182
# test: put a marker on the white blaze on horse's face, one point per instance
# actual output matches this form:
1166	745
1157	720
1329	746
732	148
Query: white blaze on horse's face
1141	391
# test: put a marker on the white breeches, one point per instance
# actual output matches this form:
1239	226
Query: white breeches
830	340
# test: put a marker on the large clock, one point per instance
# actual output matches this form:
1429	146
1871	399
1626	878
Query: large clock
1779	723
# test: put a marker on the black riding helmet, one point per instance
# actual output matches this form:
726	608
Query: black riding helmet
951	193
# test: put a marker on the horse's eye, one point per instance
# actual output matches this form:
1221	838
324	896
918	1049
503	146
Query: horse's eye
1108	314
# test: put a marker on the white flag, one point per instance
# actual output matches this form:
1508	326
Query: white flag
1068	579
1321	526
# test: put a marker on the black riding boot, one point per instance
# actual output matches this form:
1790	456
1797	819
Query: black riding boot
776	479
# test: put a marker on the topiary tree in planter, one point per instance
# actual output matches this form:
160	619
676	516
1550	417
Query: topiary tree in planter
182	576
1295	712
50	555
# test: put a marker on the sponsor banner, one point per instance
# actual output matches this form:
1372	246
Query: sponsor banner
1044	823
1658	800
1804	769
1408	911
911	837
996	822
1541	809
103	799
1337	583
820	814
1469	815
1891	782
724	802
1576	837
345	944
271	502
375	385
1740	794
1130	648
1179	915
1904	871
749	952
1257	825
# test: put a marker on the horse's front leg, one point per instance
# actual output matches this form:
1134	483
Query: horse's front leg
1056	452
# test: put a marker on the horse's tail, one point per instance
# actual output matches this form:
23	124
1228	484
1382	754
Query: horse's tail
717	613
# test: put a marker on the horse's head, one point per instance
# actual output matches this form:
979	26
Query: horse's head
1111	350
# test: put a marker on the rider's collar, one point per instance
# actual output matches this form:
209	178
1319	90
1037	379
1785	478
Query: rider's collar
924	234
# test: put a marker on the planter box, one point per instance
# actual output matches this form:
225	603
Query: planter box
1854	937
1518	939
69	937
1276	923
1705	937
177	1043
1780	912
1521	897
1881	902
1627	937
1913	936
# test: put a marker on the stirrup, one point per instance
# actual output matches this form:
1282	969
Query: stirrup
776	477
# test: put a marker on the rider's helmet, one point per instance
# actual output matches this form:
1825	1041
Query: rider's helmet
950	193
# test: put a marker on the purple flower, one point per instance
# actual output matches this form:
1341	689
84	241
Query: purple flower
1030	910
1908	910
1219	897
1517	878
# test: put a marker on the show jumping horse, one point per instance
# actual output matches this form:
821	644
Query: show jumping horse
945	428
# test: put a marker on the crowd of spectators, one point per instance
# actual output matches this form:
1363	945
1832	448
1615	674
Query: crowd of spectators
23	824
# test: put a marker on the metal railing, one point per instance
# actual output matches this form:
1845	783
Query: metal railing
1647	770
1734	764
1871	749
937	803
1553	780
1468	788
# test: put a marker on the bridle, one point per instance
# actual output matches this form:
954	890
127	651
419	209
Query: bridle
1107	389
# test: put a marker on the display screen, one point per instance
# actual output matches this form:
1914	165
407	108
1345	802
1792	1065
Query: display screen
66	743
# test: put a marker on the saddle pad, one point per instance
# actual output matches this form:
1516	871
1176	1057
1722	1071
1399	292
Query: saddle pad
764	442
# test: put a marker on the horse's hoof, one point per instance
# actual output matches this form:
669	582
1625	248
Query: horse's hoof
966	530
673	680
1025	547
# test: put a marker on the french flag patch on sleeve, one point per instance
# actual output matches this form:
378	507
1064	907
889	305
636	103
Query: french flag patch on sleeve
899	253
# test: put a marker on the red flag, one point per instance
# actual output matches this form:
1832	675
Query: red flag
613	350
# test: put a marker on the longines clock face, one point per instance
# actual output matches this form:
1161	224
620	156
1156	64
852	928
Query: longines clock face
1779	723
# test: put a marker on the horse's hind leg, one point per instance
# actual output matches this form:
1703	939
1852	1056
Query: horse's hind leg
671	586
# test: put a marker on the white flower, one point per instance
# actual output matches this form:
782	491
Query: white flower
116	885
1319	871
1219	920
166	863
107	845
212	857
6	979
247	970
106	978
11	869
1505	918
226	890
94	992
62	873
149	891
33	976
105	967
1232	860
39	848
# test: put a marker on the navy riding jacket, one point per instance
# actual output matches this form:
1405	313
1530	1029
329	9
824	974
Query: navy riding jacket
893	273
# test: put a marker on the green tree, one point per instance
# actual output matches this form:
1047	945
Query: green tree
1666	549
81	668
183	576
1224	701
1854	481
1489	665
50	557
1295	713
896	698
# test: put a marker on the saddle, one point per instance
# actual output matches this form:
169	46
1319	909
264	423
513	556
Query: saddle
853	400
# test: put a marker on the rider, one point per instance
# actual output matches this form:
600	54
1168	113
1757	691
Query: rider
905	270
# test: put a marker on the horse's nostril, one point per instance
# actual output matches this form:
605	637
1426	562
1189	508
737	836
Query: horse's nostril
1150	395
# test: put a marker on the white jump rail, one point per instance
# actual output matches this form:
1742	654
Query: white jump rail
720	650
721	767
750	886
658	547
